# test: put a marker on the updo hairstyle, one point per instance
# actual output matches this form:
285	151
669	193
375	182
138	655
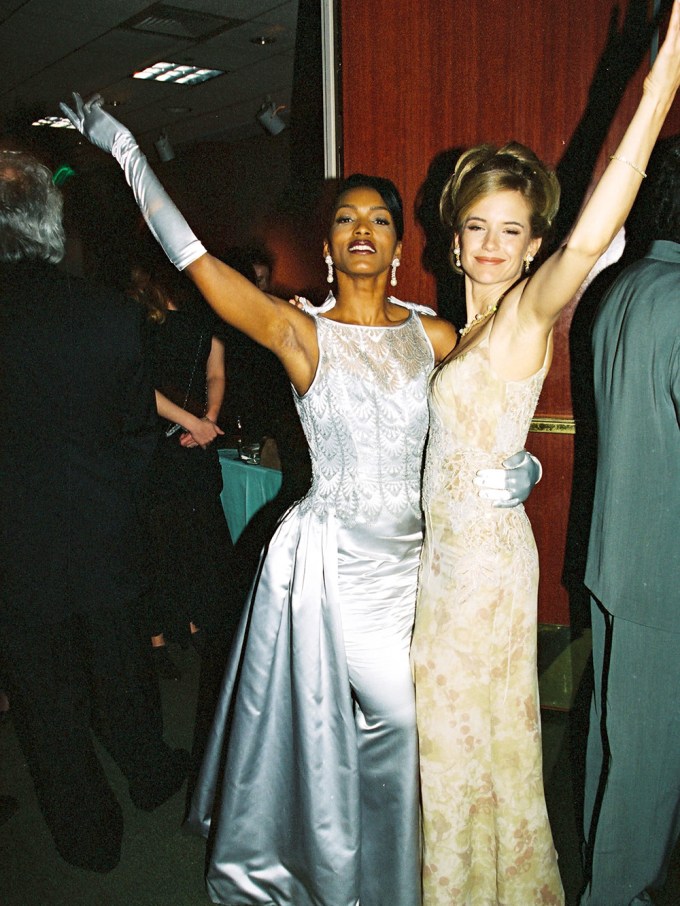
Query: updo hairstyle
384	187
486	169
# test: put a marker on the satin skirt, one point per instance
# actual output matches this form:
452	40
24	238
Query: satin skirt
308	790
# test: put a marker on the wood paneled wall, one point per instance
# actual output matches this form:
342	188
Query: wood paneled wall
421	78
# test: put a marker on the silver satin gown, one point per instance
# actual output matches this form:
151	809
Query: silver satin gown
309	784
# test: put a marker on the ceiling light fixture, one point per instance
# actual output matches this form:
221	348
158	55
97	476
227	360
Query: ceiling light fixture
56	122
263	40
268	117
177	73
164	149
175	22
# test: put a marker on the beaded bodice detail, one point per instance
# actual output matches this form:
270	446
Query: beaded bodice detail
365	419
477	419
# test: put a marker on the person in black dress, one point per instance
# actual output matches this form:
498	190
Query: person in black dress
189	542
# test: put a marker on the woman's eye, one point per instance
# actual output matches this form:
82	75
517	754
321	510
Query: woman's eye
382	221
473	227
344	218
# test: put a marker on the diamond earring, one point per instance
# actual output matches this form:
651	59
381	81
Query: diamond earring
527	263
456	255
395	264
329	262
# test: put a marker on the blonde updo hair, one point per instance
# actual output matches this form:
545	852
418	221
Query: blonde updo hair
486	169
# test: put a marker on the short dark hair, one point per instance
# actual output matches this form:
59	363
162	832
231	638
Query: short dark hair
387	191
240	259
257	253
656	211
664	186
30	210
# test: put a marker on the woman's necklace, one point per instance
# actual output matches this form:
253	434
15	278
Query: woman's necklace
480	316
483	315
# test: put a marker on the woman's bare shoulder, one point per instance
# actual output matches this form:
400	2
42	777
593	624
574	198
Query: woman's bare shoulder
441	333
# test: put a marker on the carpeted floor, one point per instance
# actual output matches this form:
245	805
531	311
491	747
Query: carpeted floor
162	866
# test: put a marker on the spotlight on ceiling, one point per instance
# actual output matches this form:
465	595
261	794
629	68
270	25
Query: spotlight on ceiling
268	117
164	149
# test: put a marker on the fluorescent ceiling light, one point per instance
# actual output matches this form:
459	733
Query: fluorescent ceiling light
56	122
179	73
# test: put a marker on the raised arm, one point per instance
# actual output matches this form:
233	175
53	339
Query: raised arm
290	334
558	279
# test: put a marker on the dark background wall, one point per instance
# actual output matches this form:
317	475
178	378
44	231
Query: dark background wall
422	78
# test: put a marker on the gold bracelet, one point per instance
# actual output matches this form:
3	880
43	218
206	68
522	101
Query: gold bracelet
624	160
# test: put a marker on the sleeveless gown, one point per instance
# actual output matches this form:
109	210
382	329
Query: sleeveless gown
309	784
487	840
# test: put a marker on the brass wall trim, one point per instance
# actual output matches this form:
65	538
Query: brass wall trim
547	424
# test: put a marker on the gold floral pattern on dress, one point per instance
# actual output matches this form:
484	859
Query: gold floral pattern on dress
487	840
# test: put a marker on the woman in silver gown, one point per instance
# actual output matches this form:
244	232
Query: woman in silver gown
313	746
309	785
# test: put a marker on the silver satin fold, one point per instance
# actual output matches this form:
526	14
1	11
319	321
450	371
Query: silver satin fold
285	842
309	785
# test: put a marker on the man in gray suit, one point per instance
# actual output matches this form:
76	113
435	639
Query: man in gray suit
632	797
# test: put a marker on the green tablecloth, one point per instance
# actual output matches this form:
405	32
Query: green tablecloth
246	488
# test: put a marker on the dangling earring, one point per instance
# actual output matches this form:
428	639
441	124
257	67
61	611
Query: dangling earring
527	263
456	255
329	262
395	264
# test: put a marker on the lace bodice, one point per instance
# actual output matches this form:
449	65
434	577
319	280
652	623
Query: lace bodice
477	419
365	418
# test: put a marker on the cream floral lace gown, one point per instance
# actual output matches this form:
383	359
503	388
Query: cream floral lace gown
486	832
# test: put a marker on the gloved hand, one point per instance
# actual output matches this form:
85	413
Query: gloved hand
511	485
98	126
164	220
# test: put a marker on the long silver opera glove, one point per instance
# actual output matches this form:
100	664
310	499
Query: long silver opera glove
162	216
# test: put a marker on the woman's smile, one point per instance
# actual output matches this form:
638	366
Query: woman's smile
484	260
362	246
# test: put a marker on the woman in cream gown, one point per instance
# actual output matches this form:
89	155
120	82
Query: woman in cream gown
474	651
487	840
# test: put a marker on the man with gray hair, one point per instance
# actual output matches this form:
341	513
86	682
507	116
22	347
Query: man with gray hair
79	428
